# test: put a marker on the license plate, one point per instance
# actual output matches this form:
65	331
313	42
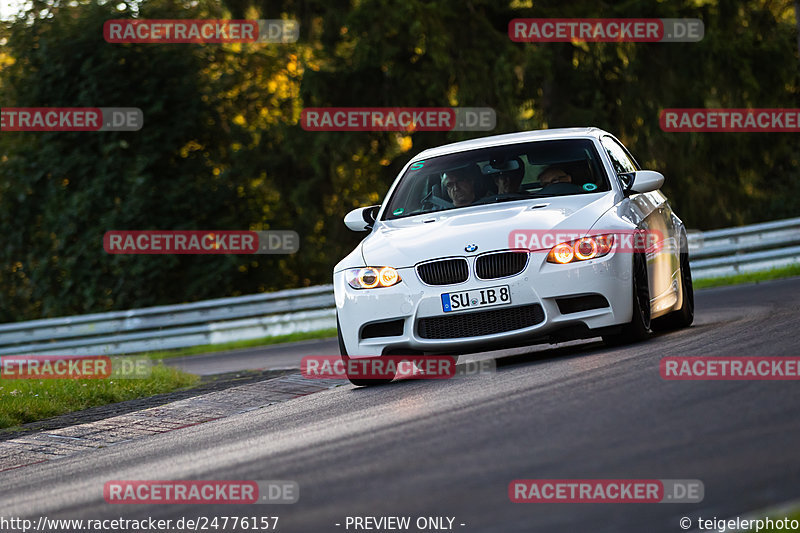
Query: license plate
474	299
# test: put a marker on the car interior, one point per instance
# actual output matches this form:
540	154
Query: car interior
425	192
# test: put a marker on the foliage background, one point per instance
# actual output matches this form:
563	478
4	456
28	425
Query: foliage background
222	148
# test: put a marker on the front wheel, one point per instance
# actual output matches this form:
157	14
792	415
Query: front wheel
360	381
637	329
357	381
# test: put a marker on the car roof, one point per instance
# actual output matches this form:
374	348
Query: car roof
512	138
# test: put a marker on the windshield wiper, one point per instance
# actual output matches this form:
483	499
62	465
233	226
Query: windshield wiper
498	198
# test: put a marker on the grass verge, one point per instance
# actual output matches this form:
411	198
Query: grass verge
794	515
235	345
29	400
749	277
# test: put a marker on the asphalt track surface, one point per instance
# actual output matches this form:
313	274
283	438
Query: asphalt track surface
450	448
270	357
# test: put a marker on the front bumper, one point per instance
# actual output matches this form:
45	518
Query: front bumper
409	315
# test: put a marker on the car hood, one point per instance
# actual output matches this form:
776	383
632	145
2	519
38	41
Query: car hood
408	241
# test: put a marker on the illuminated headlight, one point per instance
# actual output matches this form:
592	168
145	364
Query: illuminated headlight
372	277
581	249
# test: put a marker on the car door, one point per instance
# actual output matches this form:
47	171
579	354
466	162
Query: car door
650	212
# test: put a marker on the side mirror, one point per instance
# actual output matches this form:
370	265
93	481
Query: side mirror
361	219
644	181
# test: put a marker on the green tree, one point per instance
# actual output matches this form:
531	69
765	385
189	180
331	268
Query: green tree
222	147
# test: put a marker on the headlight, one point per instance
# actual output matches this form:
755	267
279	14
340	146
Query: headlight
581	249
372	277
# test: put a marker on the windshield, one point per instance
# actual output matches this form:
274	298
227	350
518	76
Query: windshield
516	172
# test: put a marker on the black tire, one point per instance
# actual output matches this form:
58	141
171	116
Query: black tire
342	348
638	328
683	317
358	382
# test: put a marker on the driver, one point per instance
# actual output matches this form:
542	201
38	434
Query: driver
460	186
510	176
554	174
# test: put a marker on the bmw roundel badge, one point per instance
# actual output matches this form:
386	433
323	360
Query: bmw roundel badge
470	247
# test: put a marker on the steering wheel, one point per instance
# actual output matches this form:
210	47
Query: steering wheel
435	202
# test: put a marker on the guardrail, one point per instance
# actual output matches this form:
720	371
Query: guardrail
174	326
713	253
751	248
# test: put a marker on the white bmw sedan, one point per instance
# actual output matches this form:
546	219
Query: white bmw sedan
509	240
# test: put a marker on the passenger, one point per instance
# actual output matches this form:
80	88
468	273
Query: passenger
554	174
510	176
